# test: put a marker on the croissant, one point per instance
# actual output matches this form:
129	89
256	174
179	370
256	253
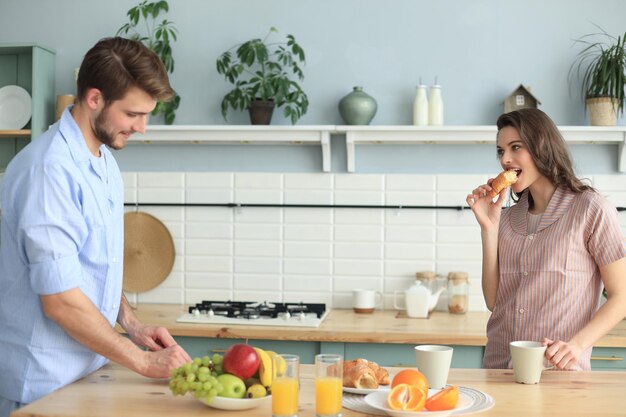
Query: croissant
503	180
361	373
360	376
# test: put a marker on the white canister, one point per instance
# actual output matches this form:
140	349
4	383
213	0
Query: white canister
420	106
435	106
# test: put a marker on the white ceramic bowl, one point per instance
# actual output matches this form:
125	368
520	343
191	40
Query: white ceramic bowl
223	403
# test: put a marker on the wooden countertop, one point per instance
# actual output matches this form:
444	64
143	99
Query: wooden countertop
115	391
346	326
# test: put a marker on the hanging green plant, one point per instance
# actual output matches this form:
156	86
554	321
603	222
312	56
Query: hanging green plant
157	37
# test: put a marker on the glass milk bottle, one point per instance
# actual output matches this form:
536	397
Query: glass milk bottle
435	106
420	106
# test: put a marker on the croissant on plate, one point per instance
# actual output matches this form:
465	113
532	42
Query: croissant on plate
503	180
363	374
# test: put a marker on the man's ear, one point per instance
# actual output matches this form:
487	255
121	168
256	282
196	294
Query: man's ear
94	99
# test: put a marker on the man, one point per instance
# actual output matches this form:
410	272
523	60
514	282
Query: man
61	242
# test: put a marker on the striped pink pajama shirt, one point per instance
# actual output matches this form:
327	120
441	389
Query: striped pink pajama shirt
550	283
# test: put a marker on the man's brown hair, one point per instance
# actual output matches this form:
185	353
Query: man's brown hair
114	65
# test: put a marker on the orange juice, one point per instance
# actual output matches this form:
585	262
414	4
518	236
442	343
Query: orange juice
284	397
328	396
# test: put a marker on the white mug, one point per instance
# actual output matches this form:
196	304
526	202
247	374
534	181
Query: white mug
434	362
527	358
366	301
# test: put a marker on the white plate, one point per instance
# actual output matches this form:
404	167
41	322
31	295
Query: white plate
365	391
15	107
378	400
223	403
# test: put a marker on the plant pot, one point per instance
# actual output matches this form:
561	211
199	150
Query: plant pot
261	112
602	111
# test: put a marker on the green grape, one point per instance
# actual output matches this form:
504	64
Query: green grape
218	359
196	361
213	380
206	361
207	386
191	377
203	377
195	367
203	369
219	369
212	392
214	373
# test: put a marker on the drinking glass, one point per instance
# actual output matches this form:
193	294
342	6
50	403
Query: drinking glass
285	382
328	385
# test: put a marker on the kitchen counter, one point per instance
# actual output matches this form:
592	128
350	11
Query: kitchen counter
115	391
346	326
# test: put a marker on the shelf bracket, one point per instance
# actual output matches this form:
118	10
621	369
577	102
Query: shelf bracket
621	155
350	149
325	142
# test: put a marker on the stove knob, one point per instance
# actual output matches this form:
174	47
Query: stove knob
195	312
301	315
286	316
211	313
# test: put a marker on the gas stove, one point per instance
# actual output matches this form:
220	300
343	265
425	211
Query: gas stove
250	313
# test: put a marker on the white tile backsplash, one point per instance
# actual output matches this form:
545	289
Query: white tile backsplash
316	254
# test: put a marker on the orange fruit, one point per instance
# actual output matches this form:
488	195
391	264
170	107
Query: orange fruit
406	397
446	399
411	377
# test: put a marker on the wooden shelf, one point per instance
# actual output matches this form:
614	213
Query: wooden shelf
363	135
369	135
241	135
15	133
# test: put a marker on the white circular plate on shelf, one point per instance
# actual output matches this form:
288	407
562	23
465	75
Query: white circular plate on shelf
223	403
15	107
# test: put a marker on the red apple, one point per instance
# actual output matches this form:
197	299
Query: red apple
241	360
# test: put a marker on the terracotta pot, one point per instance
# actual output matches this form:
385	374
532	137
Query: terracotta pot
602	111
261	112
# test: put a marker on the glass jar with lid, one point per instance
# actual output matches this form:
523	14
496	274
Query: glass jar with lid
428	279
458	292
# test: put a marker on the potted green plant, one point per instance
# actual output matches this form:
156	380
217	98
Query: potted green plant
262	74
602	66
158	38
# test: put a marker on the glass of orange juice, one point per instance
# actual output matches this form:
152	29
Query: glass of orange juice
285	384
328	385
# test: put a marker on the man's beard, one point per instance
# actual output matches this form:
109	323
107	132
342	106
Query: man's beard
99	129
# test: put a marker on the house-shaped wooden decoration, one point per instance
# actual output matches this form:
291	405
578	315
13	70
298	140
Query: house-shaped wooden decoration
520	98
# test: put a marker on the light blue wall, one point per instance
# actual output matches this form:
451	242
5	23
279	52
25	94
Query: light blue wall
480	50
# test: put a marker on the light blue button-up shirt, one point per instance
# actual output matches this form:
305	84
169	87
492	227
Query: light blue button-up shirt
62	227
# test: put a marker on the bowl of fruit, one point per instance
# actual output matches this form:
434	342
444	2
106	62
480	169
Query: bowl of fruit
238	380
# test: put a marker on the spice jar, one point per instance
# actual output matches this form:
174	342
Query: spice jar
427	278
458	292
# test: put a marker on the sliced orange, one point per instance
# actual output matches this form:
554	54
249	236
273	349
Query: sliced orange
446	399
411	377
406	397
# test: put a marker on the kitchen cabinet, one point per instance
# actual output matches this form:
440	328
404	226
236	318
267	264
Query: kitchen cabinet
31	67
381	337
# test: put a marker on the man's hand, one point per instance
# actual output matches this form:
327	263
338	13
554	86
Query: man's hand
159	363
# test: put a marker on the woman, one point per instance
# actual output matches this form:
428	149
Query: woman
546	259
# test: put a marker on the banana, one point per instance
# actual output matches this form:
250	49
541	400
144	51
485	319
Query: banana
256	391
265	367
282	366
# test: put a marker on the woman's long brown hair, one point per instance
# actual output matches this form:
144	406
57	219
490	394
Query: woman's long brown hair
546	146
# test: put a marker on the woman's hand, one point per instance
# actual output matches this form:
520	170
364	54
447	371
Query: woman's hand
487	212
562	355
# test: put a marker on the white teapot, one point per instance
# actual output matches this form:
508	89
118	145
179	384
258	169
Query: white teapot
418	300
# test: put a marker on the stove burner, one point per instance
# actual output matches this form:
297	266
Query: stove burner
257	310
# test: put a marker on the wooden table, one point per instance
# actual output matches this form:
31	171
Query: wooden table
115	391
